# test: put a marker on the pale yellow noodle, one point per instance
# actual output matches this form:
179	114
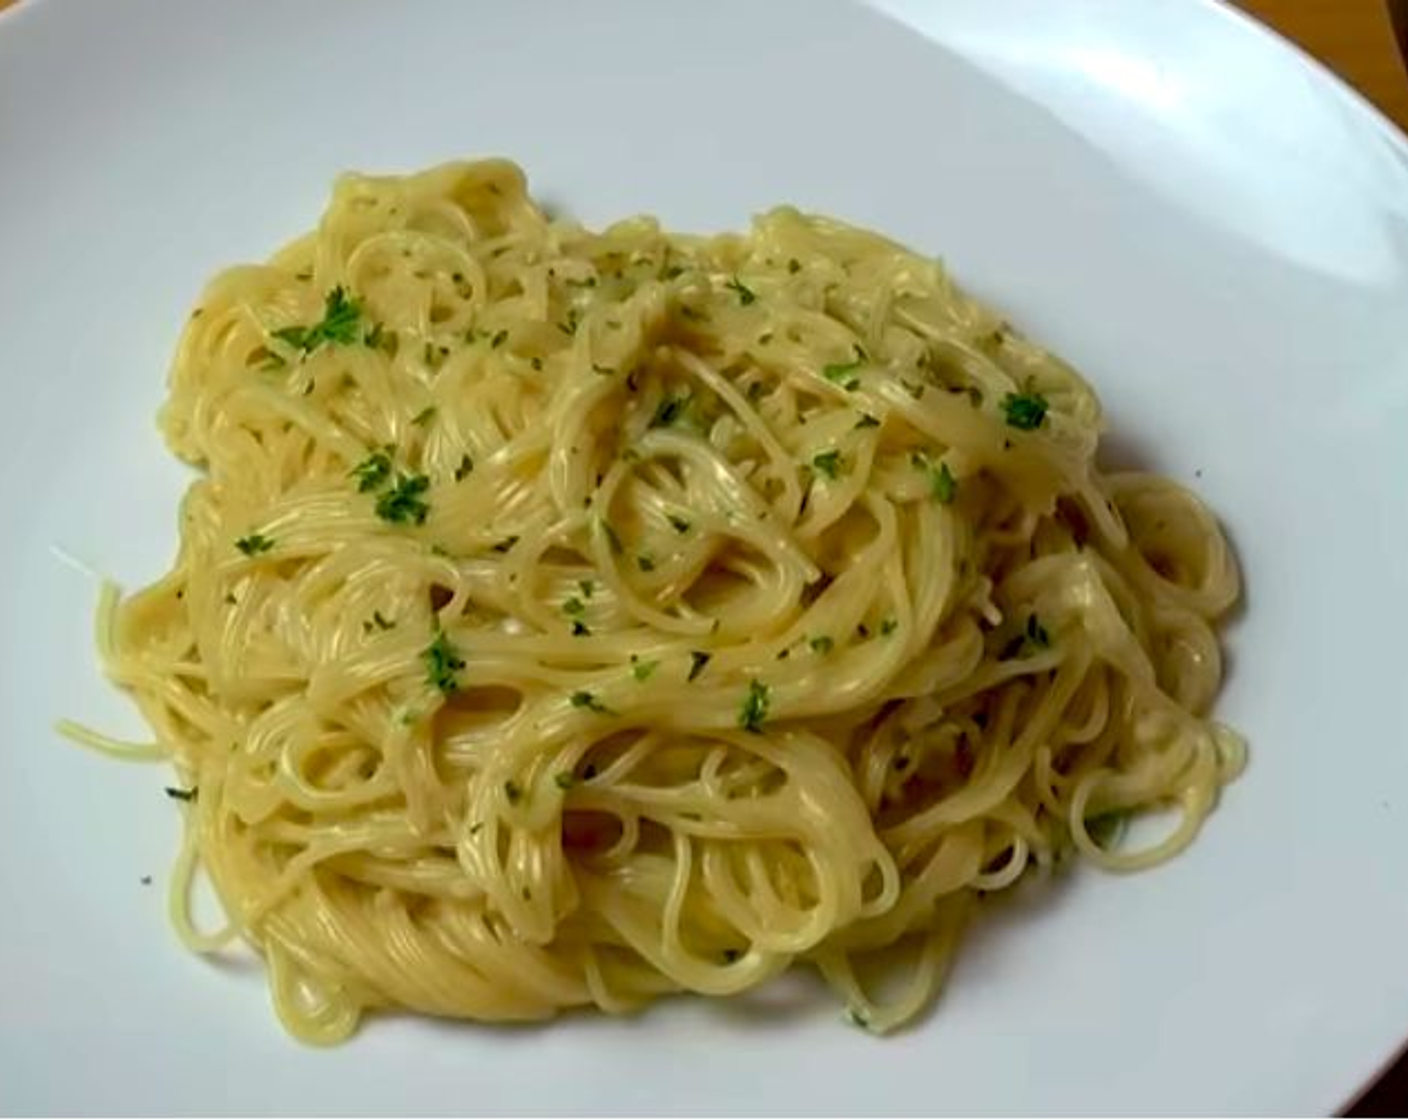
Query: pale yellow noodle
742	617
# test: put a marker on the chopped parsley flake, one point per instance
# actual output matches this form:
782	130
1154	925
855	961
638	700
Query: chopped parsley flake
844	373
645	562
254	544
1032	639
668	411
465	468
587	700
587	587
679	524
755	707
381	622
513	791
827	463
794	266
339	324
1025	411
745	294
565	779
372	471
822	644
573	606
698	659
943	484
505	544
187	795
443	663
424	416
403	502
641	670
887	627
580	629
867	421
500	337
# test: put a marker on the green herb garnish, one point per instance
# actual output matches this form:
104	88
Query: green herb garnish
573	606
887	627
584	699
372	471
443	663
843	373
679	524
755	707
745	294
465	468
943	484
254	544
564	779
187	795
642	670
822	644
867	421
827	463
669	410
424	416
513	791
1025	411
403	502
339	325
580	629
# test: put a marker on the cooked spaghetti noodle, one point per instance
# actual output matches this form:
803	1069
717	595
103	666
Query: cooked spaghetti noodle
568	618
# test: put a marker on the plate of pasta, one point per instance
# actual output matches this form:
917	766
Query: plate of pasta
660	558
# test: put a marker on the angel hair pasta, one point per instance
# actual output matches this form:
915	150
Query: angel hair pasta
568	618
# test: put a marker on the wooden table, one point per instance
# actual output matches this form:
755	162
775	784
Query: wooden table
1356	39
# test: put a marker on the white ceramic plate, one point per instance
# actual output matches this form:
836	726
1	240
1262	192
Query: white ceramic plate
1210	226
